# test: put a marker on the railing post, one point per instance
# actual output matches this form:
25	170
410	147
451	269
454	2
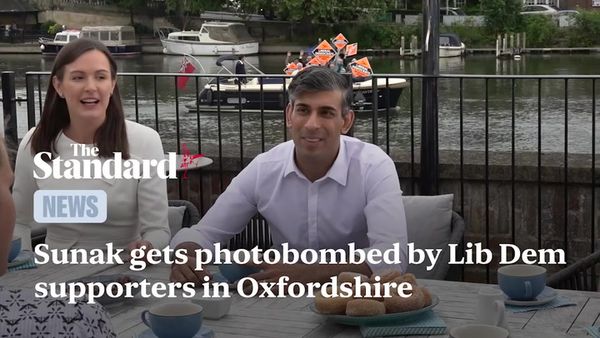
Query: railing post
29	87
429	113
9	107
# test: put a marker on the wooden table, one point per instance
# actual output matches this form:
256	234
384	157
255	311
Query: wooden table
289	317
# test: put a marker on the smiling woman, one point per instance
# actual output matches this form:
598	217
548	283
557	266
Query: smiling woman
83	107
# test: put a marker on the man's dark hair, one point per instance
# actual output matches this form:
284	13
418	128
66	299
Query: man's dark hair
318	79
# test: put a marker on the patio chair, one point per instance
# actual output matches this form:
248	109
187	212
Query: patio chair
432	224
581	275
182	214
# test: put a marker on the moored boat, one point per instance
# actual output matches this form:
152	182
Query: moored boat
120	40
451	45
267	93
213	38
53	46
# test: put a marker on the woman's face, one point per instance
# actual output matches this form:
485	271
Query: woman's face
86	85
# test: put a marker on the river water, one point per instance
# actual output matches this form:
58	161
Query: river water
578	104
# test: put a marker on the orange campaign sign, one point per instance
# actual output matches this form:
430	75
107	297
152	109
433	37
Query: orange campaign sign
340	41
315	62
291	68
361	68
324	52
352	49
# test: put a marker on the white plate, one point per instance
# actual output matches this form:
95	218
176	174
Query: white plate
548	295
386	319
23	257
204	332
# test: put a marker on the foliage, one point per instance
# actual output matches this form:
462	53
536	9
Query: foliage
131	6
318	11
45	26
54	29
542	31
587	28
503	16
473	37
193	7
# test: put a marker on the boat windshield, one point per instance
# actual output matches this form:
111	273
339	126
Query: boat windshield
233	33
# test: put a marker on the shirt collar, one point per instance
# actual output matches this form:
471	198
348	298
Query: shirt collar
338	171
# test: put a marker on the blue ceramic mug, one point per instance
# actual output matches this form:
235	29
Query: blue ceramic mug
522	281
15	249
174	320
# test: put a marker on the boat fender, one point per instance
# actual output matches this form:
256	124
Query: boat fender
42	47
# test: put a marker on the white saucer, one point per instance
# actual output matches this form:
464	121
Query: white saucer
548	295
204	332
23	257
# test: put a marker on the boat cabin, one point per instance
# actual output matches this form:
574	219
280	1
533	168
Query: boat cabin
67	36
215	32
110	35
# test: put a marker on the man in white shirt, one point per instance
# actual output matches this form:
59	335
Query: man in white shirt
322	190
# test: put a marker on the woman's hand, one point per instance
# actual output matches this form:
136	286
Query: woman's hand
144	245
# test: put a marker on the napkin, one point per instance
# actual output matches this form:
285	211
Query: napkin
29	263
594	331
429	323
559	301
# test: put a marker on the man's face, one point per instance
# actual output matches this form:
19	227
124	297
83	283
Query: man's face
316	123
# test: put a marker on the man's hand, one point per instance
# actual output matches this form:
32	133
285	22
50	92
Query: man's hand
187	272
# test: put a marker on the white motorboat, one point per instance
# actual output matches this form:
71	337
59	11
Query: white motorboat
213	38
53	46
451	45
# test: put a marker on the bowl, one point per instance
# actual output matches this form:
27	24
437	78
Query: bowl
15	249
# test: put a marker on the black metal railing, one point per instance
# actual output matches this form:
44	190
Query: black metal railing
518	152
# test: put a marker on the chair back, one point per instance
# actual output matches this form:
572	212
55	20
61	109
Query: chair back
182	214
255	234
581	275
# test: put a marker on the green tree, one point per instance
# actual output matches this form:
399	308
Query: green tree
503	16
318	10
131	6
183	9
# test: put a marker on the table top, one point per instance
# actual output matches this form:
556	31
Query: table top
291	317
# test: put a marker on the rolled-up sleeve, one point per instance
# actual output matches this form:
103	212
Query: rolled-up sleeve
23	189
229	215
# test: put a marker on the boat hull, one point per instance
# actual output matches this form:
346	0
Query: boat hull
180	47
229	97
452	51
51	48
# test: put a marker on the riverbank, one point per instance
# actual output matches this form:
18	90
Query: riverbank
153	46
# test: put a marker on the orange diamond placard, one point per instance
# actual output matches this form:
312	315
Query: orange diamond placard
361	68
340	41
352	49
324	52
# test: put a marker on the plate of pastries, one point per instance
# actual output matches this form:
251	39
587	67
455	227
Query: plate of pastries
374	311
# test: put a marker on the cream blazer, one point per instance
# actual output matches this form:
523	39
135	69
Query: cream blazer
137	209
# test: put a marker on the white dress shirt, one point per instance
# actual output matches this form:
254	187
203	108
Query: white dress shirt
137	209
359	200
